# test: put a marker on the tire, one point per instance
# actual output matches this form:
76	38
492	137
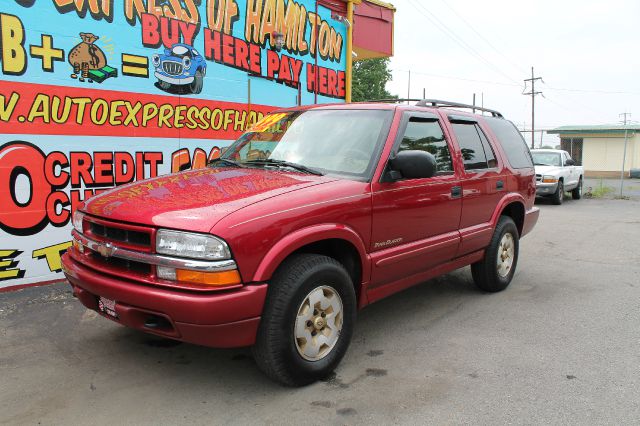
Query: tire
196	85
576	193
281	350
489	274
558	197
164	85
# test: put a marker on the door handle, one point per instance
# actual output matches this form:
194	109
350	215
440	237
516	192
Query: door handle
456	191
499	184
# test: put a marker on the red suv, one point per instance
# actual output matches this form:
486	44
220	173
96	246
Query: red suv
311	215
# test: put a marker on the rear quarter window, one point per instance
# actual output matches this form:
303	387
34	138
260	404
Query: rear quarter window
512	142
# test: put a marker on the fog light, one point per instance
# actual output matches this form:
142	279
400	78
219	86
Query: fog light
208	278
166	273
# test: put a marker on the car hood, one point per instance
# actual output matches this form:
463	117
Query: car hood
548	170
196	200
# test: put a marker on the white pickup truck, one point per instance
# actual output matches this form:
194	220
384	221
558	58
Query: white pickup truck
557	173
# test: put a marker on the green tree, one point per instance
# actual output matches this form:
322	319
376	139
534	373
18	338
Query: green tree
370	77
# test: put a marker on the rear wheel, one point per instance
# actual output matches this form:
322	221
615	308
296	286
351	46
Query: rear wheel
307	320
576	194
495	271
558	197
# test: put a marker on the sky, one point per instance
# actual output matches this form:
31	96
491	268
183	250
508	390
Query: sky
587	53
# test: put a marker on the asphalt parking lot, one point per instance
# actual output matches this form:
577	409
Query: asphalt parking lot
560	346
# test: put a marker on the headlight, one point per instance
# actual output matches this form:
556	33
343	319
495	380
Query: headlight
156	60
186	62
187	244
78	216
549	179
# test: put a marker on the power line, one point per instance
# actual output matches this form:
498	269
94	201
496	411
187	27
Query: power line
533	94
606	92
513	63
461	78
449	33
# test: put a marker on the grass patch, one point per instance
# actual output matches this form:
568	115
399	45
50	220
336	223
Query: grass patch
599	191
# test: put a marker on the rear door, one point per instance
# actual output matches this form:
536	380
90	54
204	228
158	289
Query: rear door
415	221
483	182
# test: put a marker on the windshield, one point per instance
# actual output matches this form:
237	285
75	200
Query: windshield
343	142
180	51
546	159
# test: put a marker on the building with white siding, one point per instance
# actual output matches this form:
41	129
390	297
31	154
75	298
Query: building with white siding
600	148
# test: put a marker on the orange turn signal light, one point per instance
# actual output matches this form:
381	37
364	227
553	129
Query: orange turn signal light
549	180
209	278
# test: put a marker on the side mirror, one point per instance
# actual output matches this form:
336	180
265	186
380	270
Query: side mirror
570	162
412	164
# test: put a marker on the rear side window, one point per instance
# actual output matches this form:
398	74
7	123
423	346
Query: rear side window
512	142
475	148
426	135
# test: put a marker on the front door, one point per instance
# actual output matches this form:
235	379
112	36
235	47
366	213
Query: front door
415	221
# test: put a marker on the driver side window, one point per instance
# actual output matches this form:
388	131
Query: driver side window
427	135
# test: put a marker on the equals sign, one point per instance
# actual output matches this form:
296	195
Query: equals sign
135	66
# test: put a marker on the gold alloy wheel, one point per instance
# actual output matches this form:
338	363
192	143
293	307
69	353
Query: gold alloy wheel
506	255
318	323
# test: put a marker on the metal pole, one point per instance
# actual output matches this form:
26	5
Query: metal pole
624	152
315	61
409	87
533	106
474	103
424	93
624	157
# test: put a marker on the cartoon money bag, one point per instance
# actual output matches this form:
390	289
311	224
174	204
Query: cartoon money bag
86	56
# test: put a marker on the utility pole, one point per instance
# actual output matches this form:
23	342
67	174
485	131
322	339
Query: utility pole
624	153
533	94
474	103
409	87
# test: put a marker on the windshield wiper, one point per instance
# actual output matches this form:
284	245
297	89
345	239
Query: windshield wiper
296	166
226	161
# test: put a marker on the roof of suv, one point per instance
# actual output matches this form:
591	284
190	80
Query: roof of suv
431	105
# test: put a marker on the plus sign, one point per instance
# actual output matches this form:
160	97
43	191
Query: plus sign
47	53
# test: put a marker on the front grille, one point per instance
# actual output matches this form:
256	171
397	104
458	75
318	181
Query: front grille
538	178
116	262
173	68
119	234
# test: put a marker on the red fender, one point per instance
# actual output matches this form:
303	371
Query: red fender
308	235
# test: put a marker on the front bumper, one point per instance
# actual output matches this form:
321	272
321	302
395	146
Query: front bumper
172	80
222	319
546	188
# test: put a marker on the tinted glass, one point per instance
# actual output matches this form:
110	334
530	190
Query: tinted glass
343	142
512	142
470	145
427	135
488	150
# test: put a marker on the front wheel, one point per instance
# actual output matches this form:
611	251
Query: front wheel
495	271
196	85
576	194
307	321
558	197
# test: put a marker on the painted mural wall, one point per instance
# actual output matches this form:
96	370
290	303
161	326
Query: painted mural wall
99	93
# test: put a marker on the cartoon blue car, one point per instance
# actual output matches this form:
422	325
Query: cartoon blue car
180	67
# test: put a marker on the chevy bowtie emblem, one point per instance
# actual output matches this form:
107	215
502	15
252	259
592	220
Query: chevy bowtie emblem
106	250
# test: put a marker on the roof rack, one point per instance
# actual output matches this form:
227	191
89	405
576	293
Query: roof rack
436	103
